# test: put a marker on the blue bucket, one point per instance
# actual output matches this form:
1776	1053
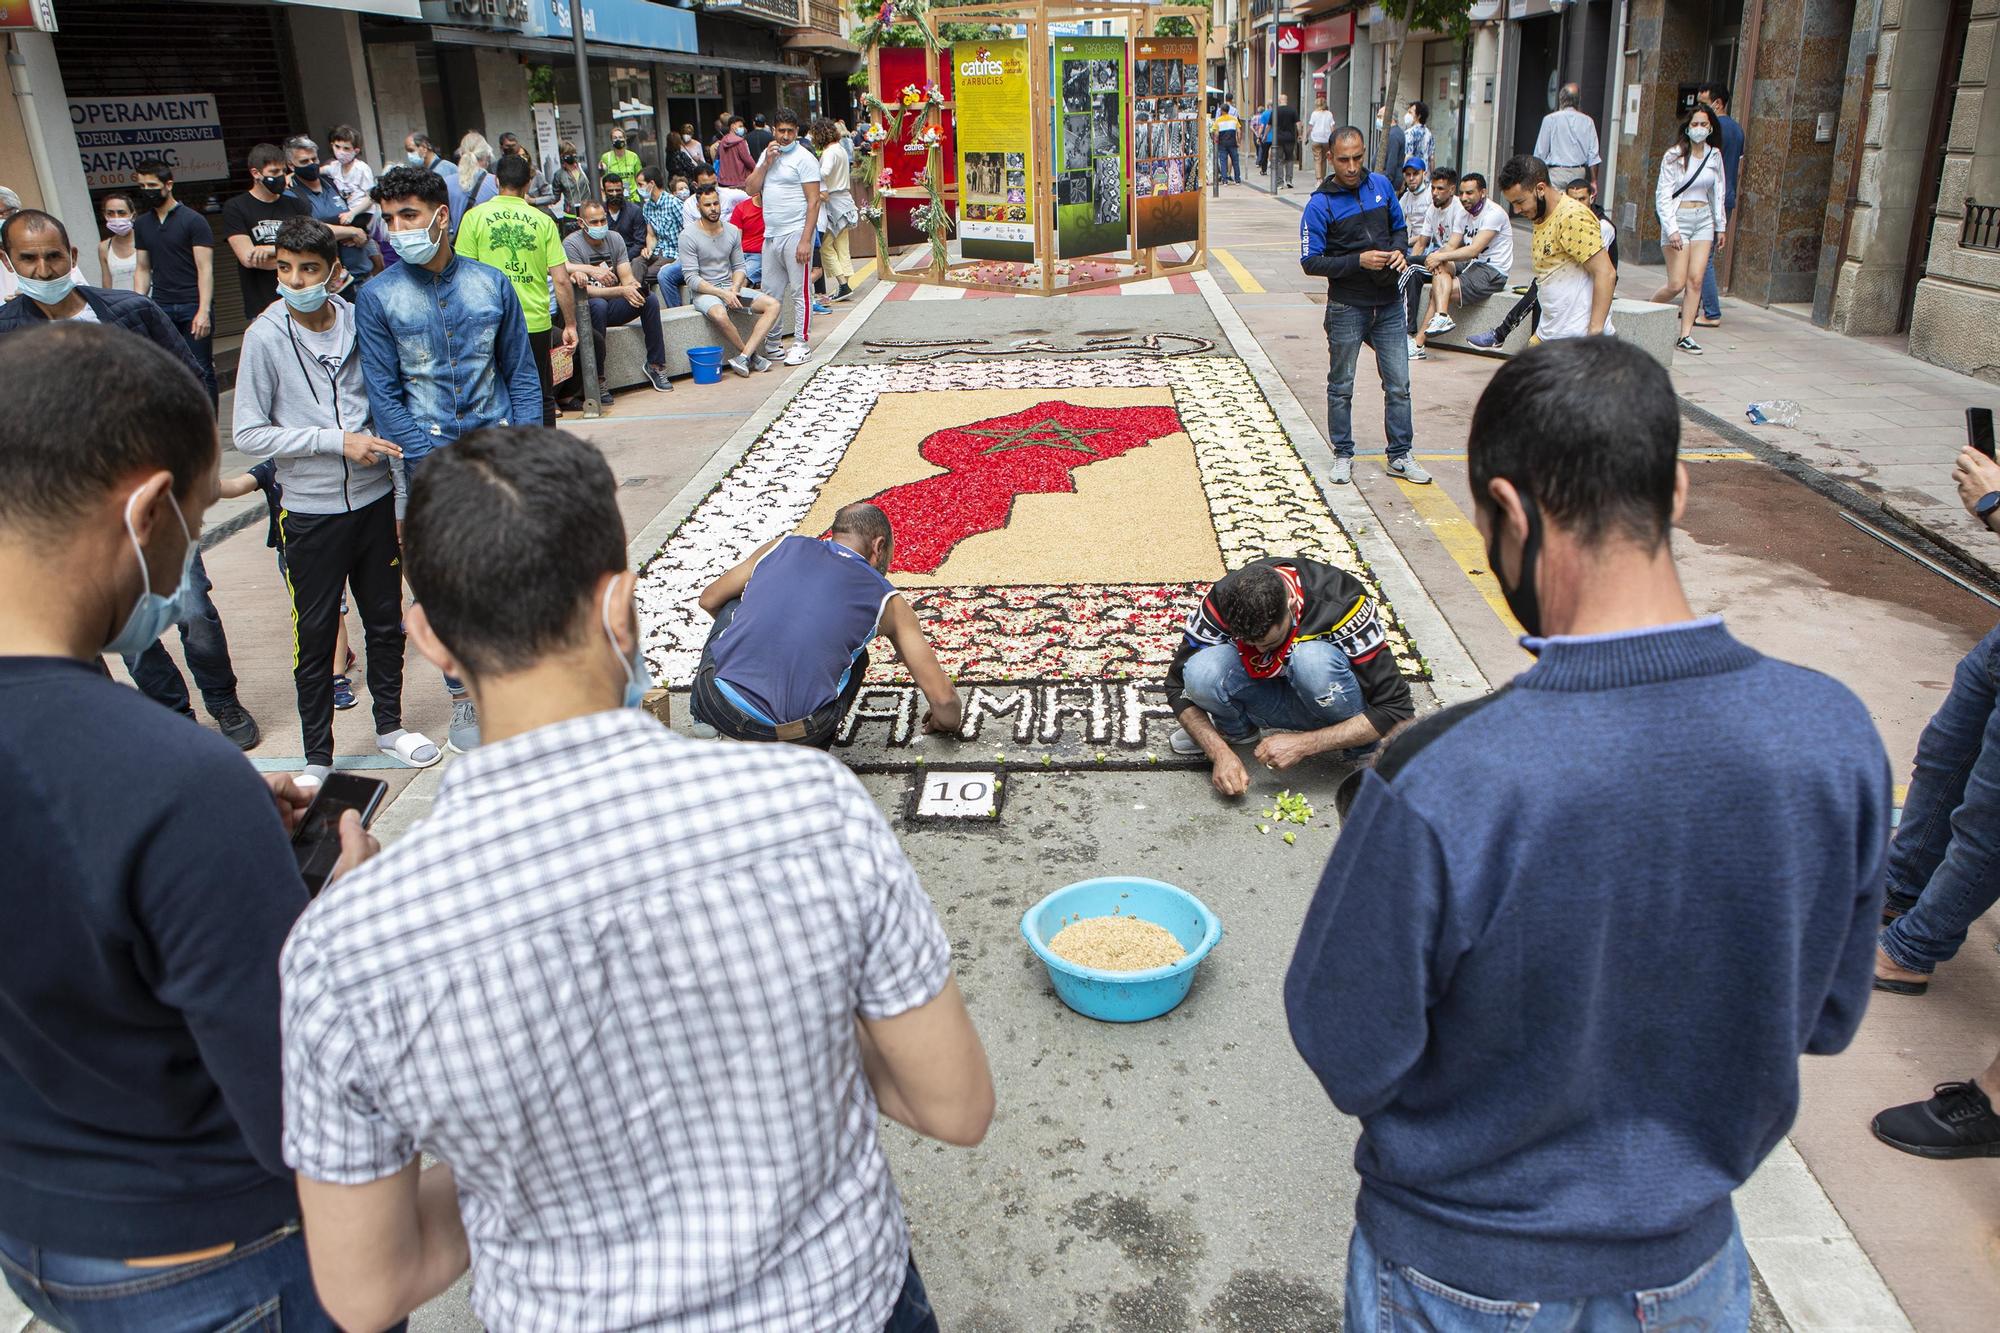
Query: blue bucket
706	363
1123	997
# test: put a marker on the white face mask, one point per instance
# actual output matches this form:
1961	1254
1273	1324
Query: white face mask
1409	119
1698	133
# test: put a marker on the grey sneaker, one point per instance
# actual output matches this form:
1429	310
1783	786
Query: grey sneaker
761	362
657	377
1409	469
1182	743
701	731
739	365
464	735
1343	471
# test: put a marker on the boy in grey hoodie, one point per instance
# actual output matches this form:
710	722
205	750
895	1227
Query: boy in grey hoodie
301	402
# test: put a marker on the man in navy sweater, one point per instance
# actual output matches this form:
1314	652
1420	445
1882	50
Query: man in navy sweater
149	884
1353	234
1576	934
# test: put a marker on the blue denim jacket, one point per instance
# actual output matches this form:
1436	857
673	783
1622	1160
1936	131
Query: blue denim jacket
445	354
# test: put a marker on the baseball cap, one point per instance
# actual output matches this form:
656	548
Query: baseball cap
1416	162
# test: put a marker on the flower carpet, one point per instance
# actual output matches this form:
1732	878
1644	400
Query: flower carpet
1054	519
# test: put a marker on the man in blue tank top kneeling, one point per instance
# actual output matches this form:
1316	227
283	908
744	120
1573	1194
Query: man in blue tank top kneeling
792	627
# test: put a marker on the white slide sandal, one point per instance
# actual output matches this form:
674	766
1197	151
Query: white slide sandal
412	747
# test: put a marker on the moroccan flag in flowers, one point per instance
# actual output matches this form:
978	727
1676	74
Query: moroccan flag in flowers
988	463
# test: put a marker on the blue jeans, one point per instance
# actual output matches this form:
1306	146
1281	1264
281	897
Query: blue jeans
1944	865
203	347
207	649
1383	328
1383	1296
754	266
913	1308
265	1284
1316	689
1711	295
1231	165
667	281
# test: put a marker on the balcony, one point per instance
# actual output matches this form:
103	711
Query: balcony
821	35
783	13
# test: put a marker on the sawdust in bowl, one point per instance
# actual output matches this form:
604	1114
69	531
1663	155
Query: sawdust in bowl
1116	944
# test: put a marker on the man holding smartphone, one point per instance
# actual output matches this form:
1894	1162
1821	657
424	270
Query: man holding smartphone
149	884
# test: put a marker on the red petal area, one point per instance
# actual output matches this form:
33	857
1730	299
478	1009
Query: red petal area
990	462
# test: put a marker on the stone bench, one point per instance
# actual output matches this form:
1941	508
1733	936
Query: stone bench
1653	327
681	327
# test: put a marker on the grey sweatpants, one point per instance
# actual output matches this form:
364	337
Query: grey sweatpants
785	278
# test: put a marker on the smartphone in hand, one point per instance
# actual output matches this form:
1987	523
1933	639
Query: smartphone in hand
316	844
1979	429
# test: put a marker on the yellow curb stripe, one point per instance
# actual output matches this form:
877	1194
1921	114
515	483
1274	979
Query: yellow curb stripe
861	273
1454	531
1244	282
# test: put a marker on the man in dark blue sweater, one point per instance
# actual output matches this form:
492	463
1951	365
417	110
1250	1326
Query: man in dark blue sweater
149	883
1353	234
1575	935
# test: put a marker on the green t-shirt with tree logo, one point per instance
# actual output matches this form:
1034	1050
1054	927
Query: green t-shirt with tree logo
521	241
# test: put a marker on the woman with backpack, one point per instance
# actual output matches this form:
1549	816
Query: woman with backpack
1692	216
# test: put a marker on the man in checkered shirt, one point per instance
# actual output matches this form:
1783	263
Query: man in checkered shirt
640	995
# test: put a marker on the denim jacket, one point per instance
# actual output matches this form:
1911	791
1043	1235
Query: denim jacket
445	354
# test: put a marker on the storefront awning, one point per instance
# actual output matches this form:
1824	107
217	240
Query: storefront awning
510	41
394	9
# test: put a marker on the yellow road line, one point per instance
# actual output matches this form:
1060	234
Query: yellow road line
1454	531
1249	285
861	271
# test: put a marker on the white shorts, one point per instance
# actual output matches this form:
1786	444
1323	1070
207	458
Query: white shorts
752	299
1697	222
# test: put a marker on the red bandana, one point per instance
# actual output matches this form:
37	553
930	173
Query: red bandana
1262	666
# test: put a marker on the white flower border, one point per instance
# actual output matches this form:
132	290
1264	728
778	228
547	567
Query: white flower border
1261	498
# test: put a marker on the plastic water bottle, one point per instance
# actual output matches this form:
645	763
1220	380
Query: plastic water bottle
1777	412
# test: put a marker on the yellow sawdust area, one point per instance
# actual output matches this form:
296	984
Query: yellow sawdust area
1139	518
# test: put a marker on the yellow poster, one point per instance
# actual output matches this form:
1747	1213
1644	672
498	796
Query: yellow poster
996	208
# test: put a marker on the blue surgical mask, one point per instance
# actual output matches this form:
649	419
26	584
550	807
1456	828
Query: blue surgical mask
49	291
595	233
414	159
152	613
305	300
638	678
417	247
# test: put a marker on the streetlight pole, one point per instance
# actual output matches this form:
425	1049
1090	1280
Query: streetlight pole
576	38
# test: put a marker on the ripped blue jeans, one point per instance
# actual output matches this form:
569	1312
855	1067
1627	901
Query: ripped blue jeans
1316	689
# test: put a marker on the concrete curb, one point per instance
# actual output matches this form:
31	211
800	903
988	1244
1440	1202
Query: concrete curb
1454	676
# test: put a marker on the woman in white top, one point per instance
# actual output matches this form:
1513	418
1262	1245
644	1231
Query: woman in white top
1691	216
124	264
837	213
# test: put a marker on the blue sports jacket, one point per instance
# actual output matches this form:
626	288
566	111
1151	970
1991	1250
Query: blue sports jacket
1339	224
445	354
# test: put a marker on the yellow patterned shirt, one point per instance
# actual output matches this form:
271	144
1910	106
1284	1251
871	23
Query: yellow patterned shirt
1564	241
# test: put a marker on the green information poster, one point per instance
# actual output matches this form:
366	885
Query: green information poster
996	208
1089	146
1167	151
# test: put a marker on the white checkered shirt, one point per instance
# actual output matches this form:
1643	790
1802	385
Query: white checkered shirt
612	980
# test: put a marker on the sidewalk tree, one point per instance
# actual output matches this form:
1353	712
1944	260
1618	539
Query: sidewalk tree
1402	17
1185	27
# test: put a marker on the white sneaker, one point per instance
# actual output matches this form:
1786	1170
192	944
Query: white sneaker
1417	352
1440	324
1343	471
797	355
1409	469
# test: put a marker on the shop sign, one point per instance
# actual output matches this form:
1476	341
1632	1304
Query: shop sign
996	195
1167	146
115	134
1328	34
621	22
28	15
1291	40
500	15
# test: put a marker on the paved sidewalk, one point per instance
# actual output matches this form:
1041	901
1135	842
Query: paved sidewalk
1873	415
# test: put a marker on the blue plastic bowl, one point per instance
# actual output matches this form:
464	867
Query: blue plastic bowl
1123	997
705	363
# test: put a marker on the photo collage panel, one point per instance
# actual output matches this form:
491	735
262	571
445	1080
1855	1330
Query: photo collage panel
995	188
1091	151
1166	127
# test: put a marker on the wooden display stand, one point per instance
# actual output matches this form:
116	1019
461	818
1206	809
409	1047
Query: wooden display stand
1046	275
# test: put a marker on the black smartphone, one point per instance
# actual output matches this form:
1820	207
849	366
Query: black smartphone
1979	429
317	841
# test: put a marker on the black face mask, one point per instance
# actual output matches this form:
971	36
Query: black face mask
1522	600
614	201
275	184
308	172
570	161
150	198
618	144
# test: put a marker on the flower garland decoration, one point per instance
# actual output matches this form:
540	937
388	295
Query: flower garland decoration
919	121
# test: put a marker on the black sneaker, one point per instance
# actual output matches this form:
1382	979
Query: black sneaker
1689	345
237	725
1957	1121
